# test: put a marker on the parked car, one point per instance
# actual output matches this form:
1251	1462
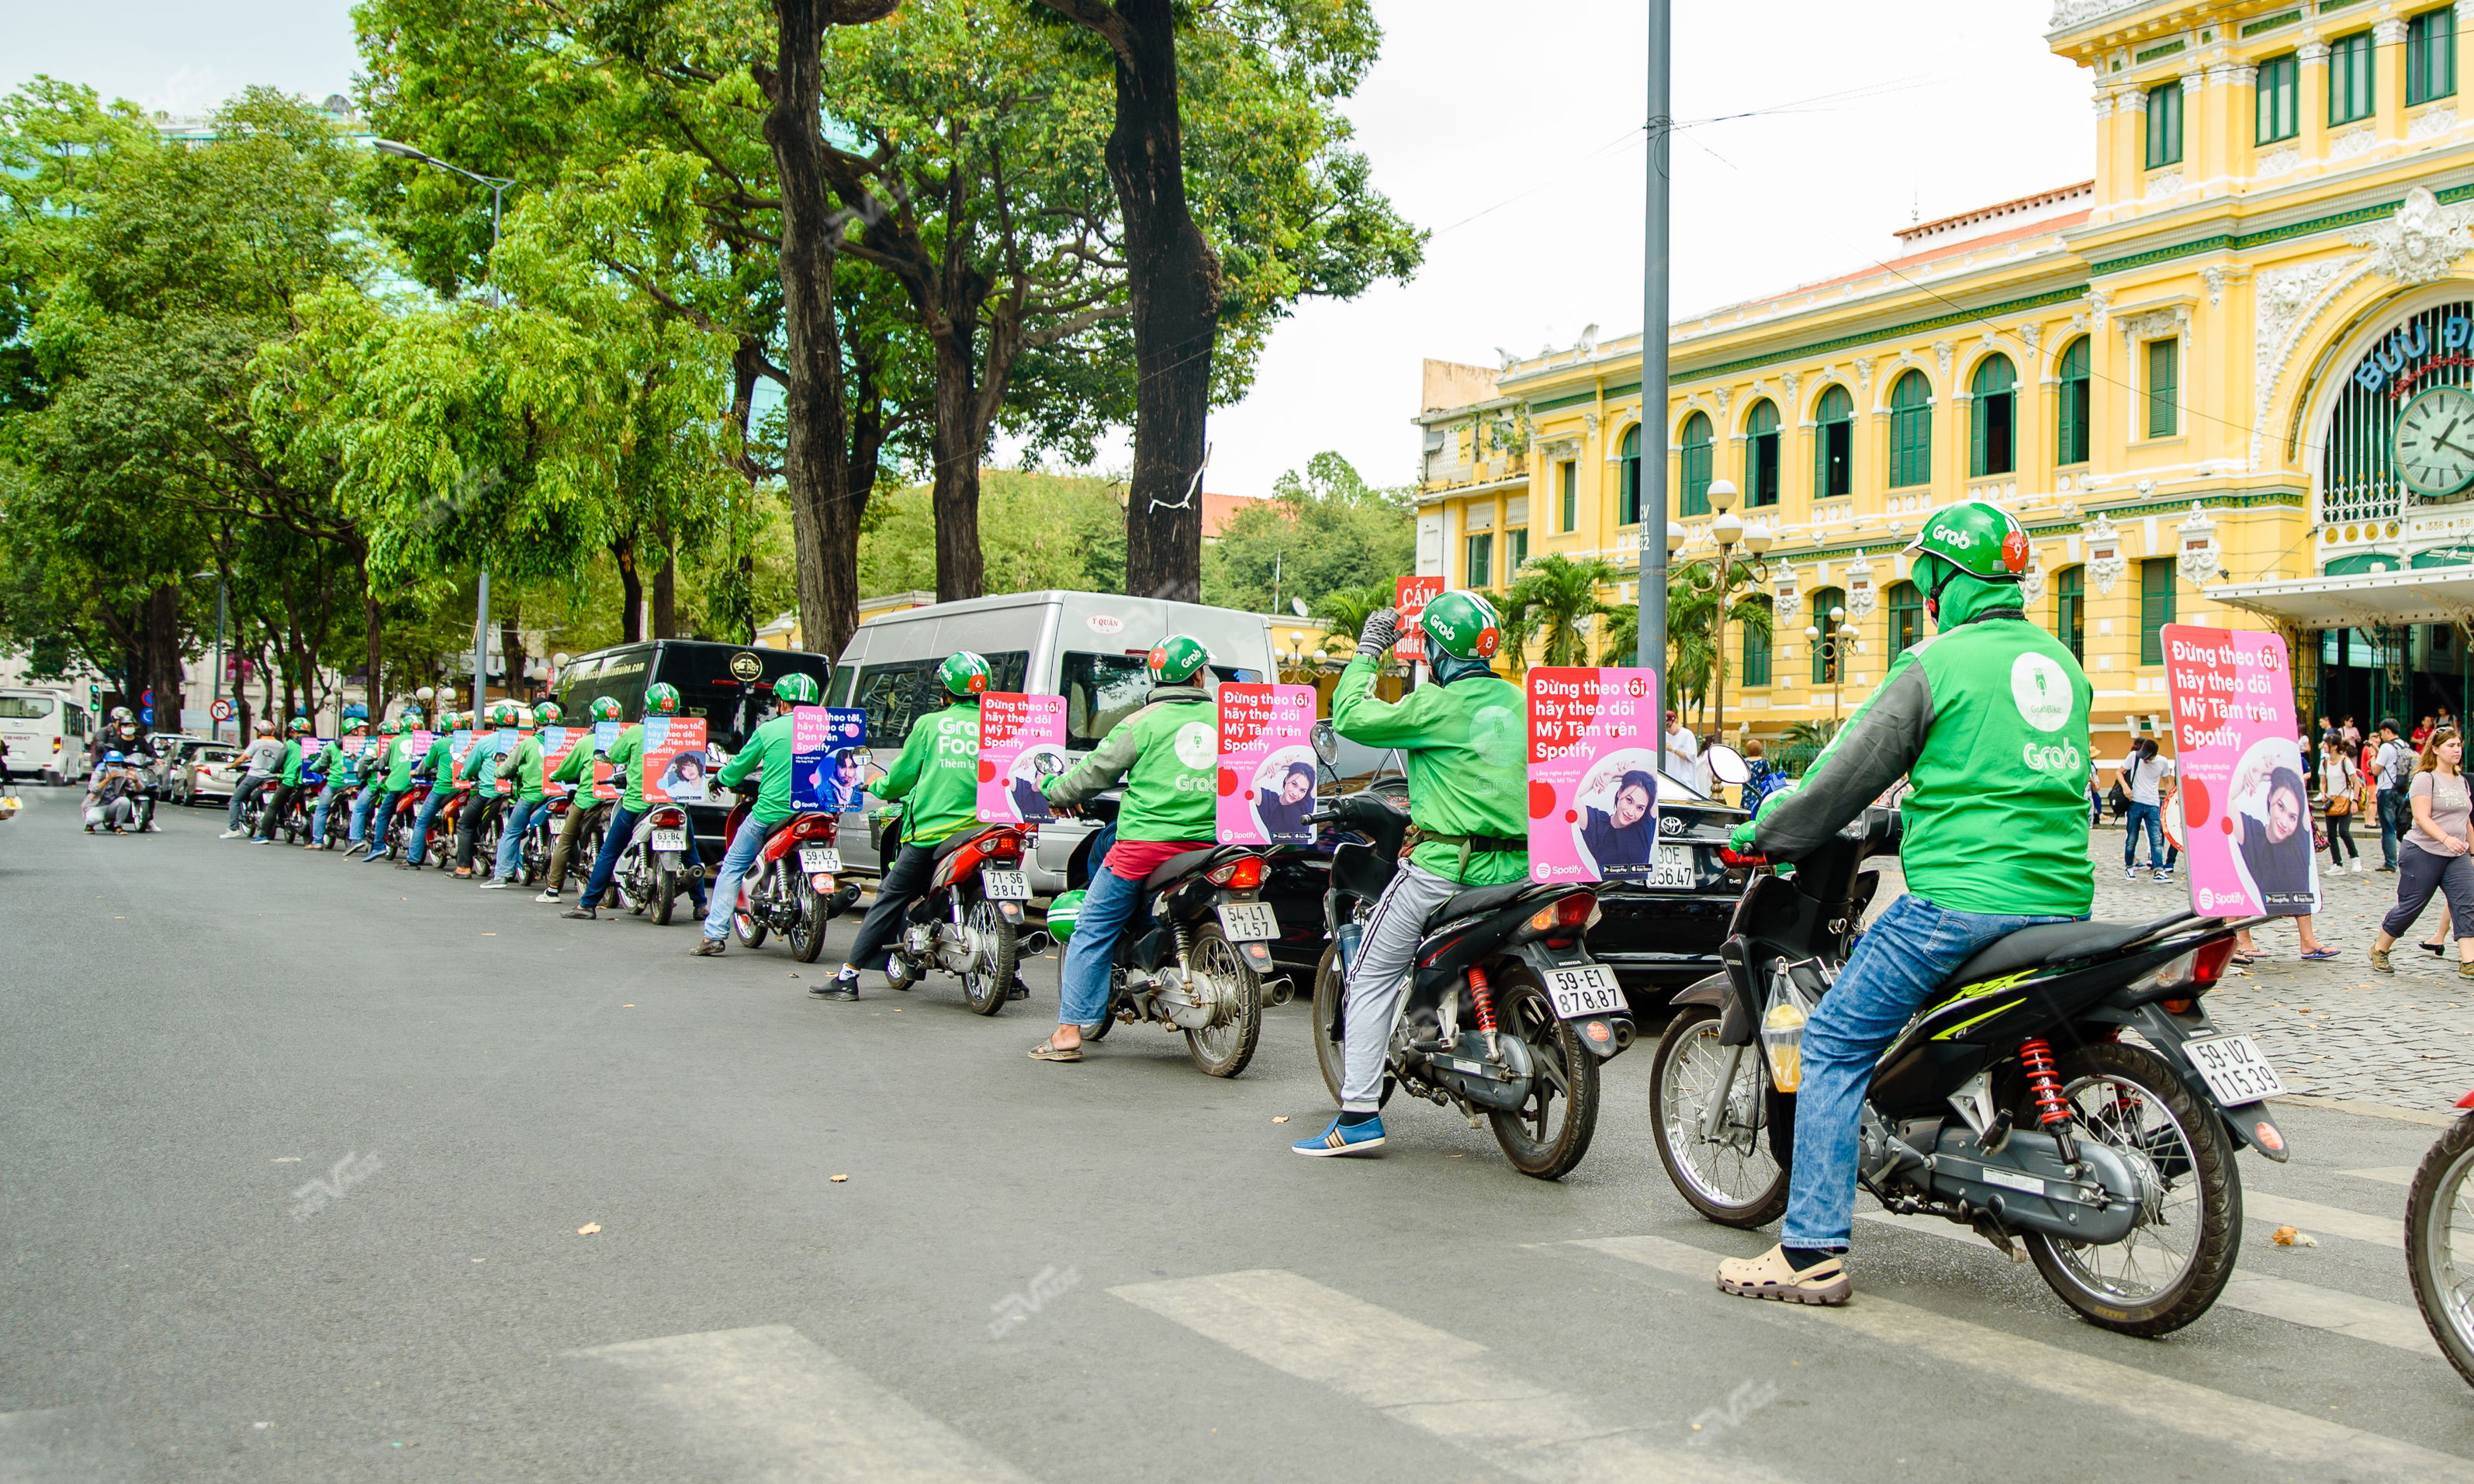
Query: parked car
205	770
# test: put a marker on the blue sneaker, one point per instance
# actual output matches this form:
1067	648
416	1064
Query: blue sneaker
1339	1139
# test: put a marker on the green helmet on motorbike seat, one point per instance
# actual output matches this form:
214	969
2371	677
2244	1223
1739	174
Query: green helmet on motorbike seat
1462	624
604	708
1979	539
299	726
546	713
1063	913
799	690
661	699
965	673
1177	658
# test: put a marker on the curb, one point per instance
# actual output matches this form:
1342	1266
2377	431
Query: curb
2372	1110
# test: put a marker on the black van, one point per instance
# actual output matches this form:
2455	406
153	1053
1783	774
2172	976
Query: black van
731	686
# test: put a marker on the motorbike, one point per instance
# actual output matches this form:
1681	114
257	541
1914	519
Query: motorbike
1507	1017
2439	1215
659	857
295	823
791	887
252	808
339	814
2010	1103
969	922
1193	956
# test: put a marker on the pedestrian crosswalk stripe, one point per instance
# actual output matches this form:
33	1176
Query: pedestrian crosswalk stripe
2289	1440
2394	1324
789	1413
2261	1209
2385	1174
1422	1376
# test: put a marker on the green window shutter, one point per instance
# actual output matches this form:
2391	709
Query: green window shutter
1628	498
1822	601
1480	573
1756	650
2164	388
1911	430
1833	445
1762	455
1696	465
2349	78
1568	493
1907	607
2070	424
1519	543
2069	610
2430	55
2155	607
2278	106
2165	125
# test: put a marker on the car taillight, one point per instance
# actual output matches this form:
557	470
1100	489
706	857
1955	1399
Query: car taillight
1578	909
1243	872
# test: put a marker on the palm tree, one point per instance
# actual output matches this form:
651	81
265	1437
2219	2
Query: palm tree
1554	599
1815	735
1347	609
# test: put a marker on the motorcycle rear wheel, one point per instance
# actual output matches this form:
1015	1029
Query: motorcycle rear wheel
1536	1140
806	933
985	987
2128	1098
1330	1013
665	891
1734	1179
2439	1244
1223	1050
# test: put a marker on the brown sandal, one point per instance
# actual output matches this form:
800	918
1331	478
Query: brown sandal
1049	1050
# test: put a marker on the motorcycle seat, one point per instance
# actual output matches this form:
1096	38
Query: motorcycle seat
1479	899
777	827
2044	943
960	838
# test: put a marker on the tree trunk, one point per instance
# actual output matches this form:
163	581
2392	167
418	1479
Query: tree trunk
1174	279
665	601
163	657
373	653
511	651
631	584
961	571
822	522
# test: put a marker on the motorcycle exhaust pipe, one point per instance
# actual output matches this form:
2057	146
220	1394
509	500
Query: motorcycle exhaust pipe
1036	942
1625	1035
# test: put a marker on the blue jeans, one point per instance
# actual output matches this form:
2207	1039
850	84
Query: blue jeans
614	839
519	815
438	800
1090	953
1907	954
377	805
2152	818
734	863
250	783
2397	816
318	814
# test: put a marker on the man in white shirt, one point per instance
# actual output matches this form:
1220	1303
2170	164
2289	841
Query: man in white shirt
2393	772
1683	753
264	761
2142	772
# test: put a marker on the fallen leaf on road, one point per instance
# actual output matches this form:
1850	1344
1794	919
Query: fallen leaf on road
489	934
838	1178
897	1012
1279	1118
289	1159
588	1229
2287	1236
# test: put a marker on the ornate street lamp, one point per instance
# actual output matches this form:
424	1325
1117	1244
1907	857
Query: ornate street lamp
1833	648
1729	532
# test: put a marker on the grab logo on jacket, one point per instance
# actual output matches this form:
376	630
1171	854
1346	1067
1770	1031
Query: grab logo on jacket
1198	744
2041	690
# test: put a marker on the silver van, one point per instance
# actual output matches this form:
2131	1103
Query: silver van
1089	647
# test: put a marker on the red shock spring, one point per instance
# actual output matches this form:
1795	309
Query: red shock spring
2036	1058
1484	995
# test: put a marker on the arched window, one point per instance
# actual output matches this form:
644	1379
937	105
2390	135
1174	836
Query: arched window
1911	430
2069	610
1756	644
1833	445
1695	448
1825	649
1761	454
1991	417
1628	500
1907	608
2071	421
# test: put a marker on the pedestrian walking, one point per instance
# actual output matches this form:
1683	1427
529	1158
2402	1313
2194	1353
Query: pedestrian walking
2168	819
2421	733
2434	857
2387	769
2140	773
2350	734
2340	783
2096	795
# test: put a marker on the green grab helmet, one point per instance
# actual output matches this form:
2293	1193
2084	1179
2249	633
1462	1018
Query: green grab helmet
299	727
1979	539
1178	657
797	688
1063	913
964	673
604	708
390	728
546	713
1462	624
661	699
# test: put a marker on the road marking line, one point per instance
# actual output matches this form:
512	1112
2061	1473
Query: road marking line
1423	1377
2271	1210
2284	1438
790	1413
2385	1174
2394	1324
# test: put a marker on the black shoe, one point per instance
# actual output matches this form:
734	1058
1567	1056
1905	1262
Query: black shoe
1019	991
711	947
836	987
407	865
585	912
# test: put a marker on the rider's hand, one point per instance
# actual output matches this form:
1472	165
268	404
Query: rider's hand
1740	840
1382	627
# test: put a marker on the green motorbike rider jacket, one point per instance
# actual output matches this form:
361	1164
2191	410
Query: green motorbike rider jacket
1167	753
1463	741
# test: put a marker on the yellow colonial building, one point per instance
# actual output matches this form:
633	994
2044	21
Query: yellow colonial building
2227	379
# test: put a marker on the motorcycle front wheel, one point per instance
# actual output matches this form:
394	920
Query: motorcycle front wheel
1330	1013
1733	1179
984	985
2439	1244
1548	1135
2177	1258
1223	1050
749	928
806	933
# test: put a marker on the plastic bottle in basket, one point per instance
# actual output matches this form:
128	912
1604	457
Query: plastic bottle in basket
1782	1039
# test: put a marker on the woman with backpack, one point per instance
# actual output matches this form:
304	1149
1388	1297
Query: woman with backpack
2340	783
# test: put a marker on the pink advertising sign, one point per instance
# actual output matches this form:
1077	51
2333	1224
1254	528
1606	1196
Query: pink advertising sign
1266	763
675	763
1592	774
1411	595
2246	799
1018	734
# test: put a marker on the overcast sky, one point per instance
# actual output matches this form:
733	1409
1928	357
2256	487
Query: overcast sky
1511	130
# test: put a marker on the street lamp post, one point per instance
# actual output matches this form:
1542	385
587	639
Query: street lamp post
1729	530
497	201
1834	650
1660	70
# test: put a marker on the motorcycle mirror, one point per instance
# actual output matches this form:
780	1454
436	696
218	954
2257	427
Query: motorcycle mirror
1728	765
1048	763
1326	744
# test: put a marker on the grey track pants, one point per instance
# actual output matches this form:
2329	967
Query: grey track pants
1379	980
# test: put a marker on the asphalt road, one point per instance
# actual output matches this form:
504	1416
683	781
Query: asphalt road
294	1153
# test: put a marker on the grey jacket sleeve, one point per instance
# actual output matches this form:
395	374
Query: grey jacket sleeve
1106	765
1878	745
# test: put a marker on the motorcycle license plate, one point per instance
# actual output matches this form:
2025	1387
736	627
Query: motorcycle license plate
820	858
1587	990
1249	922
669	839
1005	885
1674	868
2236	1071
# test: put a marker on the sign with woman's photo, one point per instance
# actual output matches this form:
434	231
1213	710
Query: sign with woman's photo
1022	740
1266	763
1593	778
675	760
829	768
605	736
557	741
2245	808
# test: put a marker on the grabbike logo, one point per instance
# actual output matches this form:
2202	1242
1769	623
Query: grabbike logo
2061	758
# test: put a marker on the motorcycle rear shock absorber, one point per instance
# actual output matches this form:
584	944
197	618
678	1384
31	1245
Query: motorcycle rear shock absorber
2045	1091
1483	993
